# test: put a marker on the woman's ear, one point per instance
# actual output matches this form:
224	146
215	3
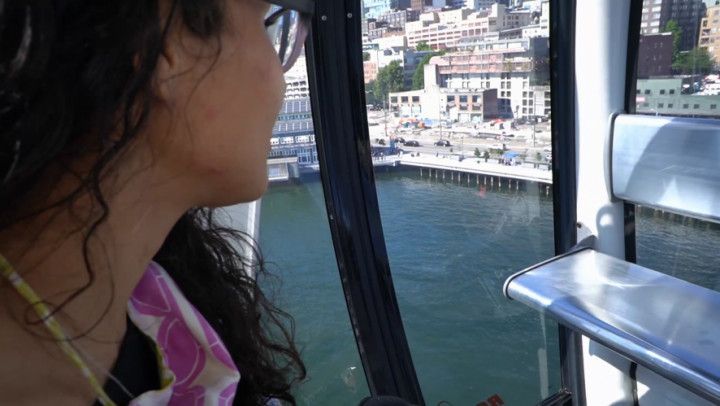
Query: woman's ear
166	70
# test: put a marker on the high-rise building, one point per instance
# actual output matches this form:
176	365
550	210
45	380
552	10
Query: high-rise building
418	5
399	18
443	30
710	33
655	55
401	4
375	8
479	4
455	3
687	14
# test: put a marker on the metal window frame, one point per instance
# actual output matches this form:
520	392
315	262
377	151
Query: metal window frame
562	88
335	74
633	50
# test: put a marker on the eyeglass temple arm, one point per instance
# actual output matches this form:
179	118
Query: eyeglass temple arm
303	6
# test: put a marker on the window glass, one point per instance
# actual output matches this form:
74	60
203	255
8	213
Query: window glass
678	64
297	247
459	211
679	67
679	246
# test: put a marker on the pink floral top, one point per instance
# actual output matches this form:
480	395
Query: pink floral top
195	367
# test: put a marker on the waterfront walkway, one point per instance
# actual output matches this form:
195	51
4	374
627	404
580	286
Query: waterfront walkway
471	165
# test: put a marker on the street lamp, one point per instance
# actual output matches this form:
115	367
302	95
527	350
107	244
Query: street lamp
462	146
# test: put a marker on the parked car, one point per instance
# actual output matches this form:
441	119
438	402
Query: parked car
443	143
412	143
400	140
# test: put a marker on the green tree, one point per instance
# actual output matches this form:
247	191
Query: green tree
418	79
423	46
370	97
695	61
673	27
486	155
477	152
366	56
389	79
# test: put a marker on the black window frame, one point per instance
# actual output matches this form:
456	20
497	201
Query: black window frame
335	56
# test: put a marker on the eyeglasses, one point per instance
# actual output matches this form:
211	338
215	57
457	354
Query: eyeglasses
287	23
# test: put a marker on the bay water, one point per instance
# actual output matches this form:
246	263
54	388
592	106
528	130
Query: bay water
451	245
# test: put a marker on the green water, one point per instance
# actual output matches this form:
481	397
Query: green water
450	247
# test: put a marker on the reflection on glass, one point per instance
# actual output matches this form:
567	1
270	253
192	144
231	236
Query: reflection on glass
295	237
677	75
458	102
680	246
678	59
451	247
296	242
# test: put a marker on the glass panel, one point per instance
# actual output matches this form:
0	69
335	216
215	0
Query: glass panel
679	246
457	178
678	58
297	246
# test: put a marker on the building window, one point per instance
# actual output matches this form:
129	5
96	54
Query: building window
696	106
404	99
671	91
662	91
670	105
393	99
646	104
685	106
463	99
647	91
661	105
416	99
713	106
451	99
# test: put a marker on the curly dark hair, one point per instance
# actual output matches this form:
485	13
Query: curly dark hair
75	77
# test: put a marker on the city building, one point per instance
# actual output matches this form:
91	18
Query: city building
296	81
443	29
370	71
455	3
479	4
401	5
293	134
655	55
687	13
379	29
418	5
672	96
435	103
398	18
518	69
375	8
710	33
386	50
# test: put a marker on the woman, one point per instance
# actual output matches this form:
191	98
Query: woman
120	124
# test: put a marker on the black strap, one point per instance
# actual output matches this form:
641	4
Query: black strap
136	367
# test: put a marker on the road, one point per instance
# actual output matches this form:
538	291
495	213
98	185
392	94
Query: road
428	137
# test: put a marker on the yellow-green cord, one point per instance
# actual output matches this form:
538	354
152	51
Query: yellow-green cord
54	327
